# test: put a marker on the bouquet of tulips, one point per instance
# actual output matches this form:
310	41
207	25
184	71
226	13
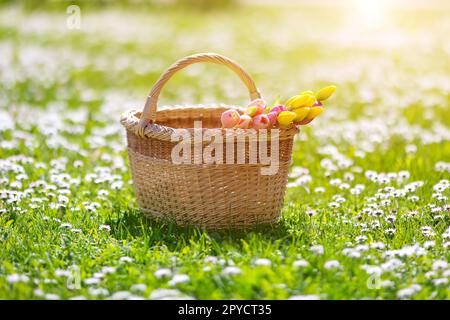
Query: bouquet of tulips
299	110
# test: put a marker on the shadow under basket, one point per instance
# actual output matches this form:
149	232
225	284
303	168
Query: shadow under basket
232	194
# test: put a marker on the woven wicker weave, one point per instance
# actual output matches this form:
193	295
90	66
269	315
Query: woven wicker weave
211	195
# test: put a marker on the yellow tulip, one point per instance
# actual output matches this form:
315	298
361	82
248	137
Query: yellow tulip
325	93
309	92
290	100
298	101
311	101
301	113
314	112
285	118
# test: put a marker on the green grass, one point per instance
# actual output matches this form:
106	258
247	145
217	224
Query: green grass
62	92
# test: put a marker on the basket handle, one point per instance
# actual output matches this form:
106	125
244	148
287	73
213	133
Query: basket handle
150	107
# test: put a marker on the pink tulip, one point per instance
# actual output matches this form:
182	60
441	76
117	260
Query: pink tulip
230	118
261	121
278	109
257	102
272	115
245	121
257	106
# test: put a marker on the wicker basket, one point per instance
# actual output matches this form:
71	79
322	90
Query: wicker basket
216	196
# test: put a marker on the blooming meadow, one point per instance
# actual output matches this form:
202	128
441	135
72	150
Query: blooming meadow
366	212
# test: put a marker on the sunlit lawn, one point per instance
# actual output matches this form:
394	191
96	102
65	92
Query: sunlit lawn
366	213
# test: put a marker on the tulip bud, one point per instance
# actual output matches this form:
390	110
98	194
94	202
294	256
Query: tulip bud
311	101
298	101
272	115
285	118
257	103
230	118
251	111
314	112
278	109
290	100
301	113
256	107
261	121
245	121
325	93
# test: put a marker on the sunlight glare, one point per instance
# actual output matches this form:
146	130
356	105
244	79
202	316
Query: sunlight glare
370	13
